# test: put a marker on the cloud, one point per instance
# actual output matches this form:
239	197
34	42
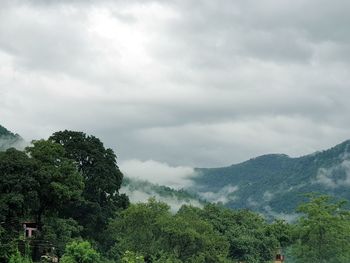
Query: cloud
179	82
290	218
158	173
335	176
223	196
15	142
143	194
268	196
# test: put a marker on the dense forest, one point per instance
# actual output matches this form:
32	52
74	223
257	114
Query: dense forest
60	199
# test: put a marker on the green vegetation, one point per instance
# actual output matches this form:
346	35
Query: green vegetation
69	187
102	180
66	197
18	258
323	232
80	252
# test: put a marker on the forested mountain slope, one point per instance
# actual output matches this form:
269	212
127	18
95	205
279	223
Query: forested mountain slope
276	183
9	139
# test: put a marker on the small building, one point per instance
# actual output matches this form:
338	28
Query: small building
30	229
279	256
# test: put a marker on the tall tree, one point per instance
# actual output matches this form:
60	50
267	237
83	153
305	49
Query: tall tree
34	185
323	231
102	179
58	181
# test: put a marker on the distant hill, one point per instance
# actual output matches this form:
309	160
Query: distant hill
274	184
8	139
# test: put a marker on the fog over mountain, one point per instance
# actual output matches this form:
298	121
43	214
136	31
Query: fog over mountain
9	139
275	184
185	83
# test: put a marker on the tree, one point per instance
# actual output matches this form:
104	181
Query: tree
282	231
102	179
149	229
137	229
18	197
97	164
131	257
323	231
247	233
80	252
59	232
58	181
192	239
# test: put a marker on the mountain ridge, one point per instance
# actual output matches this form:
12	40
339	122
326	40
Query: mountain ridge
276	183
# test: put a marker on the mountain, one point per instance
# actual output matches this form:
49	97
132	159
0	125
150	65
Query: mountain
9	139
275	184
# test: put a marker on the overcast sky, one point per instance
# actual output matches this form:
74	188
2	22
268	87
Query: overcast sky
197	83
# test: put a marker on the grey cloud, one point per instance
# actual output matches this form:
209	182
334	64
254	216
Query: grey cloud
186	83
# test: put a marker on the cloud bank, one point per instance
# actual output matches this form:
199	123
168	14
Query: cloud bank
188	83
224	195
142	195
335	176
158	173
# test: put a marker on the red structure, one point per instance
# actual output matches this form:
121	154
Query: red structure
29	229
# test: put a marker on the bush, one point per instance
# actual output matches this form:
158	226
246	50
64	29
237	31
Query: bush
80	252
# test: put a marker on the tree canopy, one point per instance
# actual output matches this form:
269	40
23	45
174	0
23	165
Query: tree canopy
323	231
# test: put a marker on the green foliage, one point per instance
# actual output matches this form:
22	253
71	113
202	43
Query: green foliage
131	257
80	252
323	232
58	181
137	228
97	164
282	231
102	179
194	238
59	232
163	257
17	196
18	258
44	185
247	233
151	230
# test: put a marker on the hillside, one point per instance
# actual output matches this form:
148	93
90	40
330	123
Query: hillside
274	184
9	139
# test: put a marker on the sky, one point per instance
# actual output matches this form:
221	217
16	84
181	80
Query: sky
171	85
